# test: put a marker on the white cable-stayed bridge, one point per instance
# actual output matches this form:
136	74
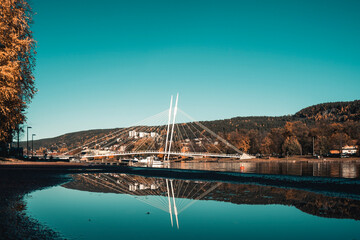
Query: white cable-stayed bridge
167	136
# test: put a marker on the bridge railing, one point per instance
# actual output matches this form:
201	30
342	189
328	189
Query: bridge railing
162	152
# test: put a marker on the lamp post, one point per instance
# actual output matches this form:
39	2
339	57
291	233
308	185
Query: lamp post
32	145
27	141
18	140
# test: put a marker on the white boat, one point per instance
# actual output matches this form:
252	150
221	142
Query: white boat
150	161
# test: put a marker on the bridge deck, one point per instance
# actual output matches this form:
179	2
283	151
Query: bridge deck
187	154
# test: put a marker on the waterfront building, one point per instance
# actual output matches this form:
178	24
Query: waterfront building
349	150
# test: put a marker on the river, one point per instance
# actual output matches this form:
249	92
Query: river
124	206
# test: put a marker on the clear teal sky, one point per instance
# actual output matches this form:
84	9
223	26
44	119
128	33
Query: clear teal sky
105	64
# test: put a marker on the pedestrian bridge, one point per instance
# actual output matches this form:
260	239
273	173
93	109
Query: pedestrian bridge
185	154
169	133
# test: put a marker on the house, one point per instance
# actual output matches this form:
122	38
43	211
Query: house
349	150
133	134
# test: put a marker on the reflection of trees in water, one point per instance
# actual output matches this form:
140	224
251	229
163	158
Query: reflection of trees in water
297	168
153	191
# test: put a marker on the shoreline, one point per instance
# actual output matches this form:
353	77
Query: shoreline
321	184
10	160
14	187
19	178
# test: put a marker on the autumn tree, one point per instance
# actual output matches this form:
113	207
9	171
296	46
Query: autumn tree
291	146
302	134
338	140
17	62
255	141
240	140
266	146
277	138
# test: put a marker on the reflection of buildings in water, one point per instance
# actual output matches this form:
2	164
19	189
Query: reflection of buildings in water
348	170
137	186
245	167
336	169
291	167
186	193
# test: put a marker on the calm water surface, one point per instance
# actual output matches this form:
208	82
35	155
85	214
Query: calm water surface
120	206
343	169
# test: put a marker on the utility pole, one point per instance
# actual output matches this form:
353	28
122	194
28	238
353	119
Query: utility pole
32	145
27	141
313	146
18	140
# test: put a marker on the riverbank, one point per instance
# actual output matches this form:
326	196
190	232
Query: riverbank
14	186
19	178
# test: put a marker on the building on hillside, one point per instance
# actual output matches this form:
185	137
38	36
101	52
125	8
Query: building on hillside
143	134
154	134
349	150
133	134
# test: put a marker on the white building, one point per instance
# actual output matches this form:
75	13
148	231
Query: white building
154	134
143	134
349	150
133	134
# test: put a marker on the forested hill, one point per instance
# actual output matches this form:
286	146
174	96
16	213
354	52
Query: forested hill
71	140
329	112
327	121
336	111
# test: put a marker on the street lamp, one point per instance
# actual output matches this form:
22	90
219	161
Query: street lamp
27	141
32	144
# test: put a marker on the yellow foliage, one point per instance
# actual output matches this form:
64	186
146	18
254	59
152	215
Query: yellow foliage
16	65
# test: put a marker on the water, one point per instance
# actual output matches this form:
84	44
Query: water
121	206
343	169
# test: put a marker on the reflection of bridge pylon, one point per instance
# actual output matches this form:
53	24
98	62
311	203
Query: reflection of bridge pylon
174	203
168	195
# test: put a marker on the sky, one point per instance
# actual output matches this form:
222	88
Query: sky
112	63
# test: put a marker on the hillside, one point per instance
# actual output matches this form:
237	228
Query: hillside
70	140
336	112
261	134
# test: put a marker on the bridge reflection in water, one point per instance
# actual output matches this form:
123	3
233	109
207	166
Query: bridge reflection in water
175	196
169	195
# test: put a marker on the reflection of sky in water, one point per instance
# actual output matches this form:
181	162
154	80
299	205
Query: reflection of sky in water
87	215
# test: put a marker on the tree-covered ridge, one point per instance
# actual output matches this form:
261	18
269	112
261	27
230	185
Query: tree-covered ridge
259	123
335	111
72	140
291	134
